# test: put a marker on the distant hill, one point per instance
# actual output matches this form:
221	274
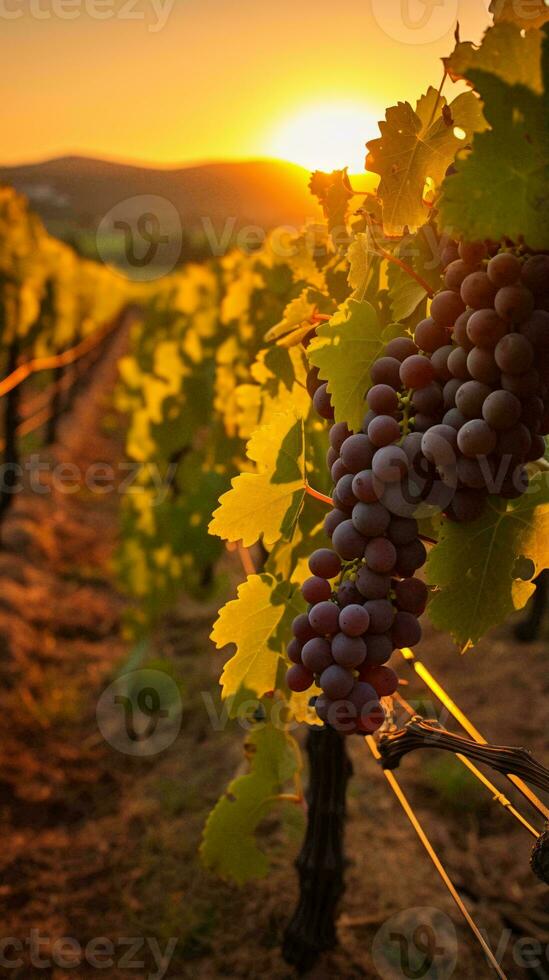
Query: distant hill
72	194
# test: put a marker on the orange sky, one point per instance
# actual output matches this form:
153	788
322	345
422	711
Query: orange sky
194	80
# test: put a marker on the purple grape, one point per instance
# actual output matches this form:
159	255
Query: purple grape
324	618
477	291
390	464
338	434
298	678
325	563
380	555
348	594
354	620
357	453
383	430
501	410
371	585
406	631
439	445
402	530
514	303
476	438
338	470
428	400
317	654
411	596
348	651
381	613
347	541
379	649
471	397
336	682
446	307
482	366
370	520
382	399
514	354
343	494
400	348
302	629
486	328
294	651
429	336
386	371
417	372
383	679
366	488
503	269
410	557
322	403
316	589
333	520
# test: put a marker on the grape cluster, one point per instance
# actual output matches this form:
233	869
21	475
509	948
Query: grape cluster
454	414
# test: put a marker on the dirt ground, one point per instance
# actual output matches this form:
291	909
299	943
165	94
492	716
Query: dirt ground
97	843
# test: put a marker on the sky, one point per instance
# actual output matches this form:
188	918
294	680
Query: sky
186	81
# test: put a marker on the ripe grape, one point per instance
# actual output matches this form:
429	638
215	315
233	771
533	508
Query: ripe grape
446	307
357	452
348	594
333	520
449	393
400	348
416	372
338	470
331	458
343	494
439	360
427	400
294	651
386	371
474	473
379	649
406	631
486	328
316	589
460	334
471	397
325	563
390	464
348	651
501	410
439	445
348	542
402	530
449	253
302	629
514	354
514	303
410	557
424	422
411	596
380	555
383	430
336	682
298	678
371	584
322	403
503	269
482	366
324	618
354	620
312	382
317	654
457	364
381	613
472	252
338	434
532	412
536	330
383	679
522	385
370	519
467	505
535	273
382	399
477	291
476	438
517	441
456	273
429	336
454	418
366	488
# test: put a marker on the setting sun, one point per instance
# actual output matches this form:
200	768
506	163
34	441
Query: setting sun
326	137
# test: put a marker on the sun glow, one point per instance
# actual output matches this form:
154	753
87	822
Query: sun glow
326	137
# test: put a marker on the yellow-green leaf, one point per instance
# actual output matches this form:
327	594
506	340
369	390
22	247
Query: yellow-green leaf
267	503
229	847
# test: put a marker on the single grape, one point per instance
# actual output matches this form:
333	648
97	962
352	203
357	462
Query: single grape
379	649
325	563
386	371
474	473
402	530
381	613
383	679
449	253
331	458
348	594
446	307
477	291
428	400
457	364
354	620
348	542
372	585
429	336
472	252
336	682
357	452
338	470
366	487
411	445
383	430
370	520
348	651
486	328
322	707
338	434
380	555
406	631
411	596
298	678
476	438
382	399
536	330
456	273
482	366
454	418
535	273
302	629
316	589
517	441
294	651
333	520
460	335
514	354
313	382
390	464
400	348
501	410
522	385
537	449
343	494
467	505
317	654
416	372
402	499
439	445
369	417
422	423
439	360
514	303
449	393
471	397
343	716
322	403
503	269
324	618
410	557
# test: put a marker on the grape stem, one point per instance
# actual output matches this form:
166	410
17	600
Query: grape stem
319	496
402	265
319	318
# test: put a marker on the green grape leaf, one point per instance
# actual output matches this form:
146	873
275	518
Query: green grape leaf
474	566
527	16
343	351
251	622
334	193
266	504
507	163
417	146
229	847
504	52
